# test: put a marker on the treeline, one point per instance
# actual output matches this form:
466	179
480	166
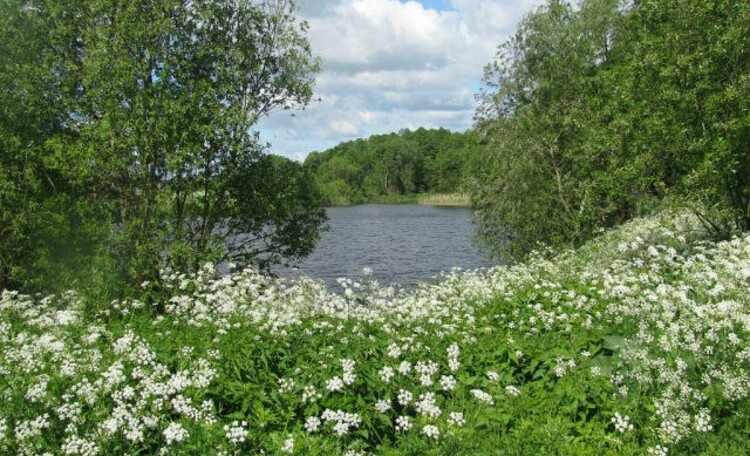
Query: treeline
396	164
592	114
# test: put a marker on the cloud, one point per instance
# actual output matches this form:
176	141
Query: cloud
391	64
383	34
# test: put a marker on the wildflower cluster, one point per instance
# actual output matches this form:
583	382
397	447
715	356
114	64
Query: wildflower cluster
642	335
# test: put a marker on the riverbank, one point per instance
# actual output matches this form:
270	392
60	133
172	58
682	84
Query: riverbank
634	344
432	199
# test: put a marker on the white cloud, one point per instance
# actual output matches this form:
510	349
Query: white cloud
389	65
383	34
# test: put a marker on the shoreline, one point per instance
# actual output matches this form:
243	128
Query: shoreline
436	199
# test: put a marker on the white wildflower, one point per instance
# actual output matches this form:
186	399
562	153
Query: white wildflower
343	421
622	423
310	394
425	380
335	384
703	421
32	428
288	446
403	423
427	405
237	432
404	397
447	382
431	431
286	385
456	419
312	424
354	453
512	391
481	396
453	352
386	374
348	376
175	433
658	450
394	351
383	405
75	445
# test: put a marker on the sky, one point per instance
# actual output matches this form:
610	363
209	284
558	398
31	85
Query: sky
389	65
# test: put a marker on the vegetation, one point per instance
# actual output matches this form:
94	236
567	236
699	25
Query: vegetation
395	167
445	199
591	113
129	169
636	344
130	125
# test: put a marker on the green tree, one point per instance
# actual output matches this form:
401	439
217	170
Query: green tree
591	113
544	180
689	70
48	228
403	163
159	100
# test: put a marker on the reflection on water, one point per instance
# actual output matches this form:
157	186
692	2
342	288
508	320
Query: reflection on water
402	244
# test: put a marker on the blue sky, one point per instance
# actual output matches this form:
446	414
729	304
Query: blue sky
440	5
393	64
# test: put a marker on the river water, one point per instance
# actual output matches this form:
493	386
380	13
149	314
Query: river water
401	243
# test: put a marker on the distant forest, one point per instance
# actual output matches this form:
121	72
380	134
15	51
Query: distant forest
384	167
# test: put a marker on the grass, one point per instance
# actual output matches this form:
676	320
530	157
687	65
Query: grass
635	344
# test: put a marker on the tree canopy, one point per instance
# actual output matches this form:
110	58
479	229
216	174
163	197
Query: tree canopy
403	163
142	112
592	113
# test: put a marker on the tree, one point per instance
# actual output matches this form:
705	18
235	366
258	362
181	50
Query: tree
545	181
403	163
689	69
44	216
161	100
592	113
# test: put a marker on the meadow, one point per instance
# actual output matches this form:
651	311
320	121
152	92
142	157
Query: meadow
637	343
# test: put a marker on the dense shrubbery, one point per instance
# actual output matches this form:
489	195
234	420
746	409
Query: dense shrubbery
636	344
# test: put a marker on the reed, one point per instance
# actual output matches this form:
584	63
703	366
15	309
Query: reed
445	199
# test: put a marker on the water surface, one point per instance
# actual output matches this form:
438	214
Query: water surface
402	244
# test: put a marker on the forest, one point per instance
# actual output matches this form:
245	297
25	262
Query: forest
398	164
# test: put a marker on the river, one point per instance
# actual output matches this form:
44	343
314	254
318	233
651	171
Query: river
402	244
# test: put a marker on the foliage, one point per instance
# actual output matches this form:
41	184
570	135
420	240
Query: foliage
591	113
404	163
141	113
44	217
690	63
636	344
